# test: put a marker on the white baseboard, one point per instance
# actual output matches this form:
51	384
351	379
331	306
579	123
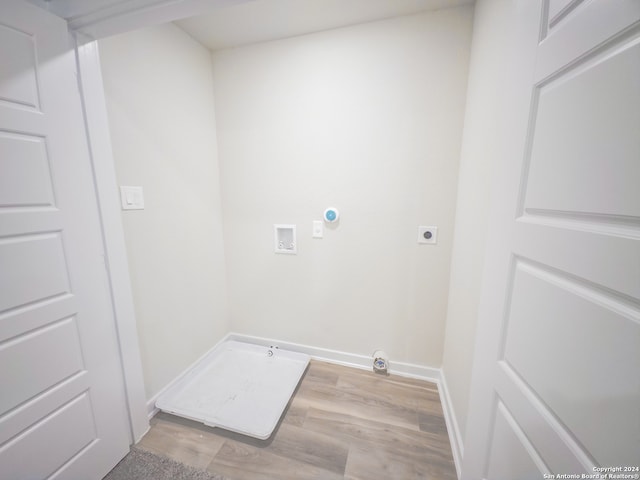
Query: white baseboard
457	447
353	360
344	358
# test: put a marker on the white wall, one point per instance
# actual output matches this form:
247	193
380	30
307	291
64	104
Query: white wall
158	86
479	149
367	119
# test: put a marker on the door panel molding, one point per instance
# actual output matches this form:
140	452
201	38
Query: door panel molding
517	444
60	366
558	337
583	33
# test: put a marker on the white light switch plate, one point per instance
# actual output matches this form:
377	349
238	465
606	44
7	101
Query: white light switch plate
132	198
318	229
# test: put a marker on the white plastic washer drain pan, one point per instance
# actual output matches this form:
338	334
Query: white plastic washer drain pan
239	387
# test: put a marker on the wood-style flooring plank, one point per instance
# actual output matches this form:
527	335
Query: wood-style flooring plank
432	423
375	463
358	404
294	415
311	447
390	389
238	461
182	442
415	446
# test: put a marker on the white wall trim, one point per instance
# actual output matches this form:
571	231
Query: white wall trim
455	437
115	254
354	360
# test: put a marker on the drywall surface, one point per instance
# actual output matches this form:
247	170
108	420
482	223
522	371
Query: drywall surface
158	87
367	119
479	148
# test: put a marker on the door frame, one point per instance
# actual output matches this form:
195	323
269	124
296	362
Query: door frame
116	263
85	31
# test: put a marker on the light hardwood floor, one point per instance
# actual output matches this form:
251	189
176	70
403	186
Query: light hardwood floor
342	423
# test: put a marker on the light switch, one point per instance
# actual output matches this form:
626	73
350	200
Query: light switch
318	229
132	198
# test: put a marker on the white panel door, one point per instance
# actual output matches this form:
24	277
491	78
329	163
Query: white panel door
556	381
62	404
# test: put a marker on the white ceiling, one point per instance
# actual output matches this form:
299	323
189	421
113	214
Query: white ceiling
229	23
263	20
